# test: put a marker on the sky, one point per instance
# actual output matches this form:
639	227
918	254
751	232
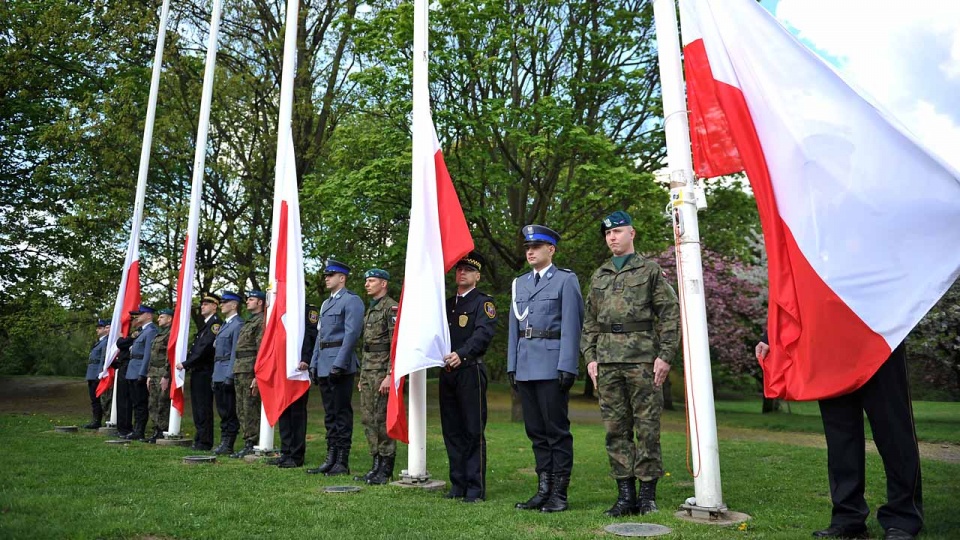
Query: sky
904	55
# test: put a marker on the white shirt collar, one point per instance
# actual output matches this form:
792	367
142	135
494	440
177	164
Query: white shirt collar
466	293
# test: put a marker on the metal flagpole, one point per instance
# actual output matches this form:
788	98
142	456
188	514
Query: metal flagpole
686	197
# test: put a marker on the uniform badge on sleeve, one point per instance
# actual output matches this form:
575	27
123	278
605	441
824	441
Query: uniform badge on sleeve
393	314
215	329
490	310
314	316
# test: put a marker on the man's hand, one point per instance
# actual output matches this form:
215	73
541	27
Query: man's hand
142	379
336	373
592	372
179	366
452	360
660	371
164	384
513	380
254	390
385	385
566	380
148	381
302	366
762	351
228	381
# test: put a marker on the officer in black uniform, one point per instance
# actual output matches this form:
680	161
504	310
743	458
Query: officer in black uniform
199	363
472	318
122	392
292	423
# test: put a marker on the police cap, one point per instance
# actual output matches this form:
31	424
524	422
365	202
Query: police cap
538	234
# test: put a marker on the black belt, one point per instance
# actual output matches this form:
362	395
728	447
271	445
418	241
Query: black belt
623	328
534	333
328	344
376	347
464	364
136	357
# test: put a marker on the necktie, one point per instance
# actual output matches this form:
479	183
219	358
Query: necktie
536	279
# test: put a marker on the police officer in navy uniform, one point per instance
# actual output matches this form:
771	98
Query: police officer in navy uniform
292	423
472	318
94	366
225	353
546	318
199	363
334	365
137	370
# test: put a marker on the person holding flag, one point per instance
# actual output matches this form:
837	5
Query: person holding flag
245	386
158	376
199	363
94	365
225	349
137	369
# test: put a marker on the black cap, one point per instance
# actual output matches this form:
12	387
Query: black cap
474	260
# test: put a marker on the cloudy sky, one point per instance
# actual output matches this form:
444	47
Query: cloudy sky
905	55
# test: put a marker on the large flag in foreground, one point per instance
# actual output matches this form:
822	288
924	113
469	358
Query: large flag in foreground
128	299
861	223
437	239
278	379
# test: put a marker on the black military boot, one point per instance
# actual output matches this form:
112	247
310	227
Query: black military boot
94	424
226	445
157	434
245	451
385	473
327	463
544	485
557	502
647	502
342	465
374	468
626	504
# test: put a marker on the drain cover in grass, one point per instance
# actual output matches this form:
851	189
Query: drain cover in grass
341	489
637	529
66	429
117	441
195	460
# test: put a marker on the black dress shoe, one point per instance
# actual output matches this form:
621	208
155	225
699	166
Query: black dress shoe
473	499
894	533
289	464
453	494
838	531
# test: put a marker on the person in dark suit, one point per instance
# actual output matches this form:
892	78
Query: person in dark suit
292	423
136	375
543	351
199	363
472	318
122	390
94	366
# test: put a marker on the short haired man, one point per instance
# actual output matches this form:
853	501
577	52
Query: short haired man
138	368
94	366
225	349
158	376
245	382
199	363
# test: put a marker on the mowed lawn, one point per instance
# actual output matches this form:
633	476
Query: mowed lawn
56	485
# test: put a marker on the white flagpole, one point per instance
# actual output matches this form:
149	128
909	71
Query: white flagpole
284	152
133	249
185	298
685	196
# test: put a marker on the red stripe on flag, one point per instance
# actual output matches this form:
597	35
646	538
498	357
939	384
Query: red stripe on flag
131	301
184	304
396	411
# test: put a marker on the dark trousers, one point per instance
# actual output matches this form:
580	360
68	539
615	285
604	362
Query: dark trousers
337	409
292	425
548	427
124	404
139	402
886	400
201	400
95	406
463	417
226	398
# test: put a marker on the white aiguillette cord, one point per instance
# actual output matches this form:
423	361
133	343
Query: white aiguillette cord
516	312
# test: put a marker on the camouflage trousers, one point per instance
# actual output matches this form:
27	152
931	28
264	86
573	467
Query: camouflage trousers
106	400
158	404
248	407
629	402
373	408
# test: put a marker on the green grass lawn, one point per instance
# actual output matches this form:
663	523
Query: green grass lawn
74	486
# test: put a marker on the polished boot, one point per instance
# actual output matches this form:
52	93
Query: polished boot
385	473
157	434
94	424
342	465
226	445
327	463
626	504
647	499
838	531
544	484
373	470
245	451
557	502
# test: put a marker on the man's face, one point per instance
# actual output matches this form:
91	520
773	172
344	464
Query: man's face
103	330
467	276
540	253
620	239
334	280
230	306
164	320
254	304
207	308
144	318
374	286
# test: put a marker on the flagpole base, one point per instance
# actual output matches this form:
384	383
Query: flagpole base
173	440
421	482
109	431
259	454
710	515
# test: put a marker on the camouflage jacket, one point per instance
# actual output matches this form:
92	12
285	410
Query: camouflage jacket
248	344
637	295
159	362
378	327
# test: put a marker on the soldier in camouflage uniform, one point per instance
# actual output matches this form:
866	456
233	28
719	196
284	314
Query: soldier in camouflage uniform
374	381
248	398
158	377
630	331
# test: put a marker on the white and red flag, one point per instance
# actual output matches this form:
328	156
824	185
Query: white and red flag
128	299
438	238
861	223
279	381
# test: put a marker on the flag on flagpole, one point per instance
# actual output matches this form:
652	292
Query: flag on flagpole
180	326
279	380
128	299
860	221
437	239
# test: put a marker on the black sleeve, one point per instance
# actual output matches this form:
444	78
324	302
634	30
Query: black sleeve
309	340
764	338
484	325
125	343
202	349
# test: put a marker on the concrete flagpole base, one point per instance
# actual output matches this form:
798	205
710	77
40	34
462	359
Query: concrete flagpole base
421	482
109	431
174	440
722	516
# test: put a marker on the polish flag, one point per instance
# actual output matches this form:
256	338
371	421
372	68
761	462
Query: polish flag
279	381
438	238
861	223
128	299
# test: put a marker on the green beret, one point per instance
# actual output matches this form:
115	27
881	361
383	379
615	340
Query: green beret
377	273
614	220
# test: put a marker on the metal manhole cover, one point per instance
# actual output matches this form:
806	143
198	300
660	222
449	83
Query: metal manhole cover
66	429
637	529
341	489
194	460
117	441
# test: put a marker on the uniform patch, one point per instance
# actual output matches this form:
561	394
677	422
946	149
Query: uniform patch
463	321
314	316
215	329
394	310
490	310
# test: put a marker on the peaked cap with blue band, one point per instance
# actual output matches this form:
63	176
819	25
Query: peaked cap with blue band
333	266
103	322
227	296
142	309
614	220
377	273
538	234
257	294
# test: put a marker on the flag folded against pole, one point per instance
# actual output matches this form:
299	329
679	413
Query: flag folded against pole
180	327
861	223
437	239
128	299
279	381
